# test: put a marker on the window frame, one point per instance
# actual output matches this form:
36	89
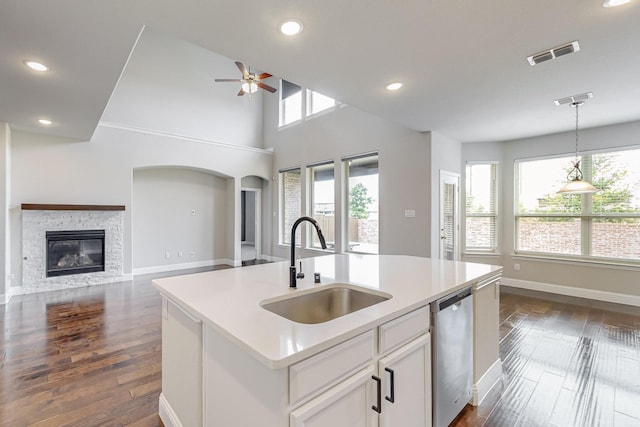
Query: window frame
346	209
586	216
306	105
495	215
284	231
310	205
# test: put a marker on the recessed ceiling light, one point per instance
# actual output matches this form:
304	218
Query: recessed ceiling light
45	122
393	86
614	3
34	65
291	27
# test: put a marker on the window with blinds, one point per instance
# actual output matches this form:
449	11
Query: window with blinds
481	207
604	225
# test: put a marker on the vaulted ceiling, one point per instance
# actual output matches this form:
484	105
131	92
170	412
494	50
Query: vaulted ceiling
463	63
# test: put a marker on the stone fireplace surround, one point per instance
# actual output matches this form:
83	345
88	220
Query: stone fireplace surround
37	219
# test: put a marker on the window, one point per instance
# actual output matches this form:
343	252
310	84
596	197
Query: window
362	217
290	102
604	225
290	203
296	104
481	207
317	102
322	201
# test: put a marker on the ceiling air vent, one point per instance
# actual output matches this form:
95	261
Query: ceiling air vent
574	98
554	53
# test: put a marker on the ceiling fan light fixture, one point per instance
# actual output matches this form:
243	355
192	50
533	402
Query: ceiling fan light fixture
291	27
249	87
614	3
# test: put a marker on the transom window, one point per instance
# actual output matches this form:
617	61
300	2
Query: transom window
604	225
296	103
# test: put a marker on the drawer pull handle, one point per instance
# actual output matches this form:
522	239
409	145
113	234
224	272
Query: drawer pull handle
378	407
391	376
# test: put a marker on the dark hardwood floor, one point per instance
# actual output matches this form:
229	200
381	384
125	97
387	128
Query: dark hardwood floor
566	362
92	357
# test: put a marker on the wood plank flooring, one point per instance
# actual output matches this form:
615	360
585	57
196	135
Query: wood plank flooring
92	357
566	362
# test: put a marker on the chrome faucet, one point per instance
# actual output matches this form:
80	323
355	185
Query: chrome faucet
292	268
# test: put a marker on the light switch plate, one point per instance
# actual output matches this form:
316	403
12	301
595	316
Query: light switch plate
409	213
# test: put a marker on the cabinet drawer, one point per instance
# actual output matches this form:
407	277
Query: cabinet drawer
403	329
317	373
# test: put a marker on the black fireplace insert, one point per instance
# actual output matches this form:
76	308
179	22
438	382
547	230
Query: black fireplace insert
74	252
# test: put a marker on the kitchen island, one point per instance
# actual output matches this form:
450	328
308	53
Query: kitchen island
227	361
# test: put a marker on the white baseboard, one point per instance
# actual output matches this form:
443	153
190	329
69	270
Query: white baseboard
168	417
573	291
273	258
488	381
182	266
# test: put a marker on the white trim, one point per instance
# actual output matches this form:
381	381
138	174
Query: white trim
184	266
273	258
590	262
486	383
166	413
573	291
184	138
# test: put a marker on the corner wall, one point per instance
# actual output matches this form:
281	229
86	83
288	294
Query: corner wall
5	195
587	278
47	169
404	169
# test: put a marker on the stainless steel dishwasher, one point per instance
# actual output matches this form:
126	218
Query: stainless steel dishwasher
452	355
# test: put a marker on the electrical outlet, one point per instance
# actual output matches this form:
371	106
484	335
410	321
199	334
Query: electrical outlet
193	211
192	254
167	254
410	213
180	254
516	267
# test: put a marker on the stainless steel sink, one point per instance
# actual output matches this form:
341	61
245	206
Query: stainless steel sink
324	304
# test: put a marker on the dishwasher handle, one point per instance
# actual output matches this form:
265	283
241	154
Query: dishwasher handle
450	300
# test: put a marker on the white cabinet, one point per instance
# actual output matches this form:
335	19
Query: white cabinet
181	397
393	390
348	404
406	385
487	367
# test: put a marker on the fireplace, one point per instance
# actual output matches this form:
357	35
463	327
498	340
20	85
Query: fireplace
74	252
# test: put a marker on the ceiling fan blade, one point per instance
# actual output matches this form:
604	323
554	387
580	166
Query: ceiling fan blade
229	80
241	92
242	68
263	76
266	87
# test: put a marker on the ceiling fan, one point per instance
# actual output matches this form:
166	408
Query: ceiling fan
250	82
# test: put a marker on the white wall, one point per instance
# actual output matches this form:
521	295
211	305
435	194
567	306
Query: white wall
404	169
168	86
580	275
5	191
179	212
446	155
54	170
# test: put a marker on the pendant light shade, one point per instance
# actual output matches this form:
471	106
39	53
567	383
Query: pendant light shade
576	184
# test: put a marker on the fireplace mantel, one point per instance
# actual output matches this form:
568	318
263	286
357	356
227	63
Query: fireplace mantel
46	207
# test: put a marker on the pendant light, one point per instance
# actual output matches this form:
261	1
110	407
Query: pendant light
576	184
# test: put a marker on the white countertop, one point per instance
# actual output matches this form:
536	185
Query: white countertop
228	300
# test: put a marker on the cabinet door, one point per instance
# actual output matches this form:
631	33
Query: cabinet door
409	369
347	404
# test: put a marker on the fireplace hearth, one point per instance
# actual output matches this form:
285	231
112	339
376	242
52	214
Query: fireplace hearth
75	252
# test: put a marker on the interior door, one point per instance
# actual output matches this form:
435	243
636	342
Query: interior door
449	216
